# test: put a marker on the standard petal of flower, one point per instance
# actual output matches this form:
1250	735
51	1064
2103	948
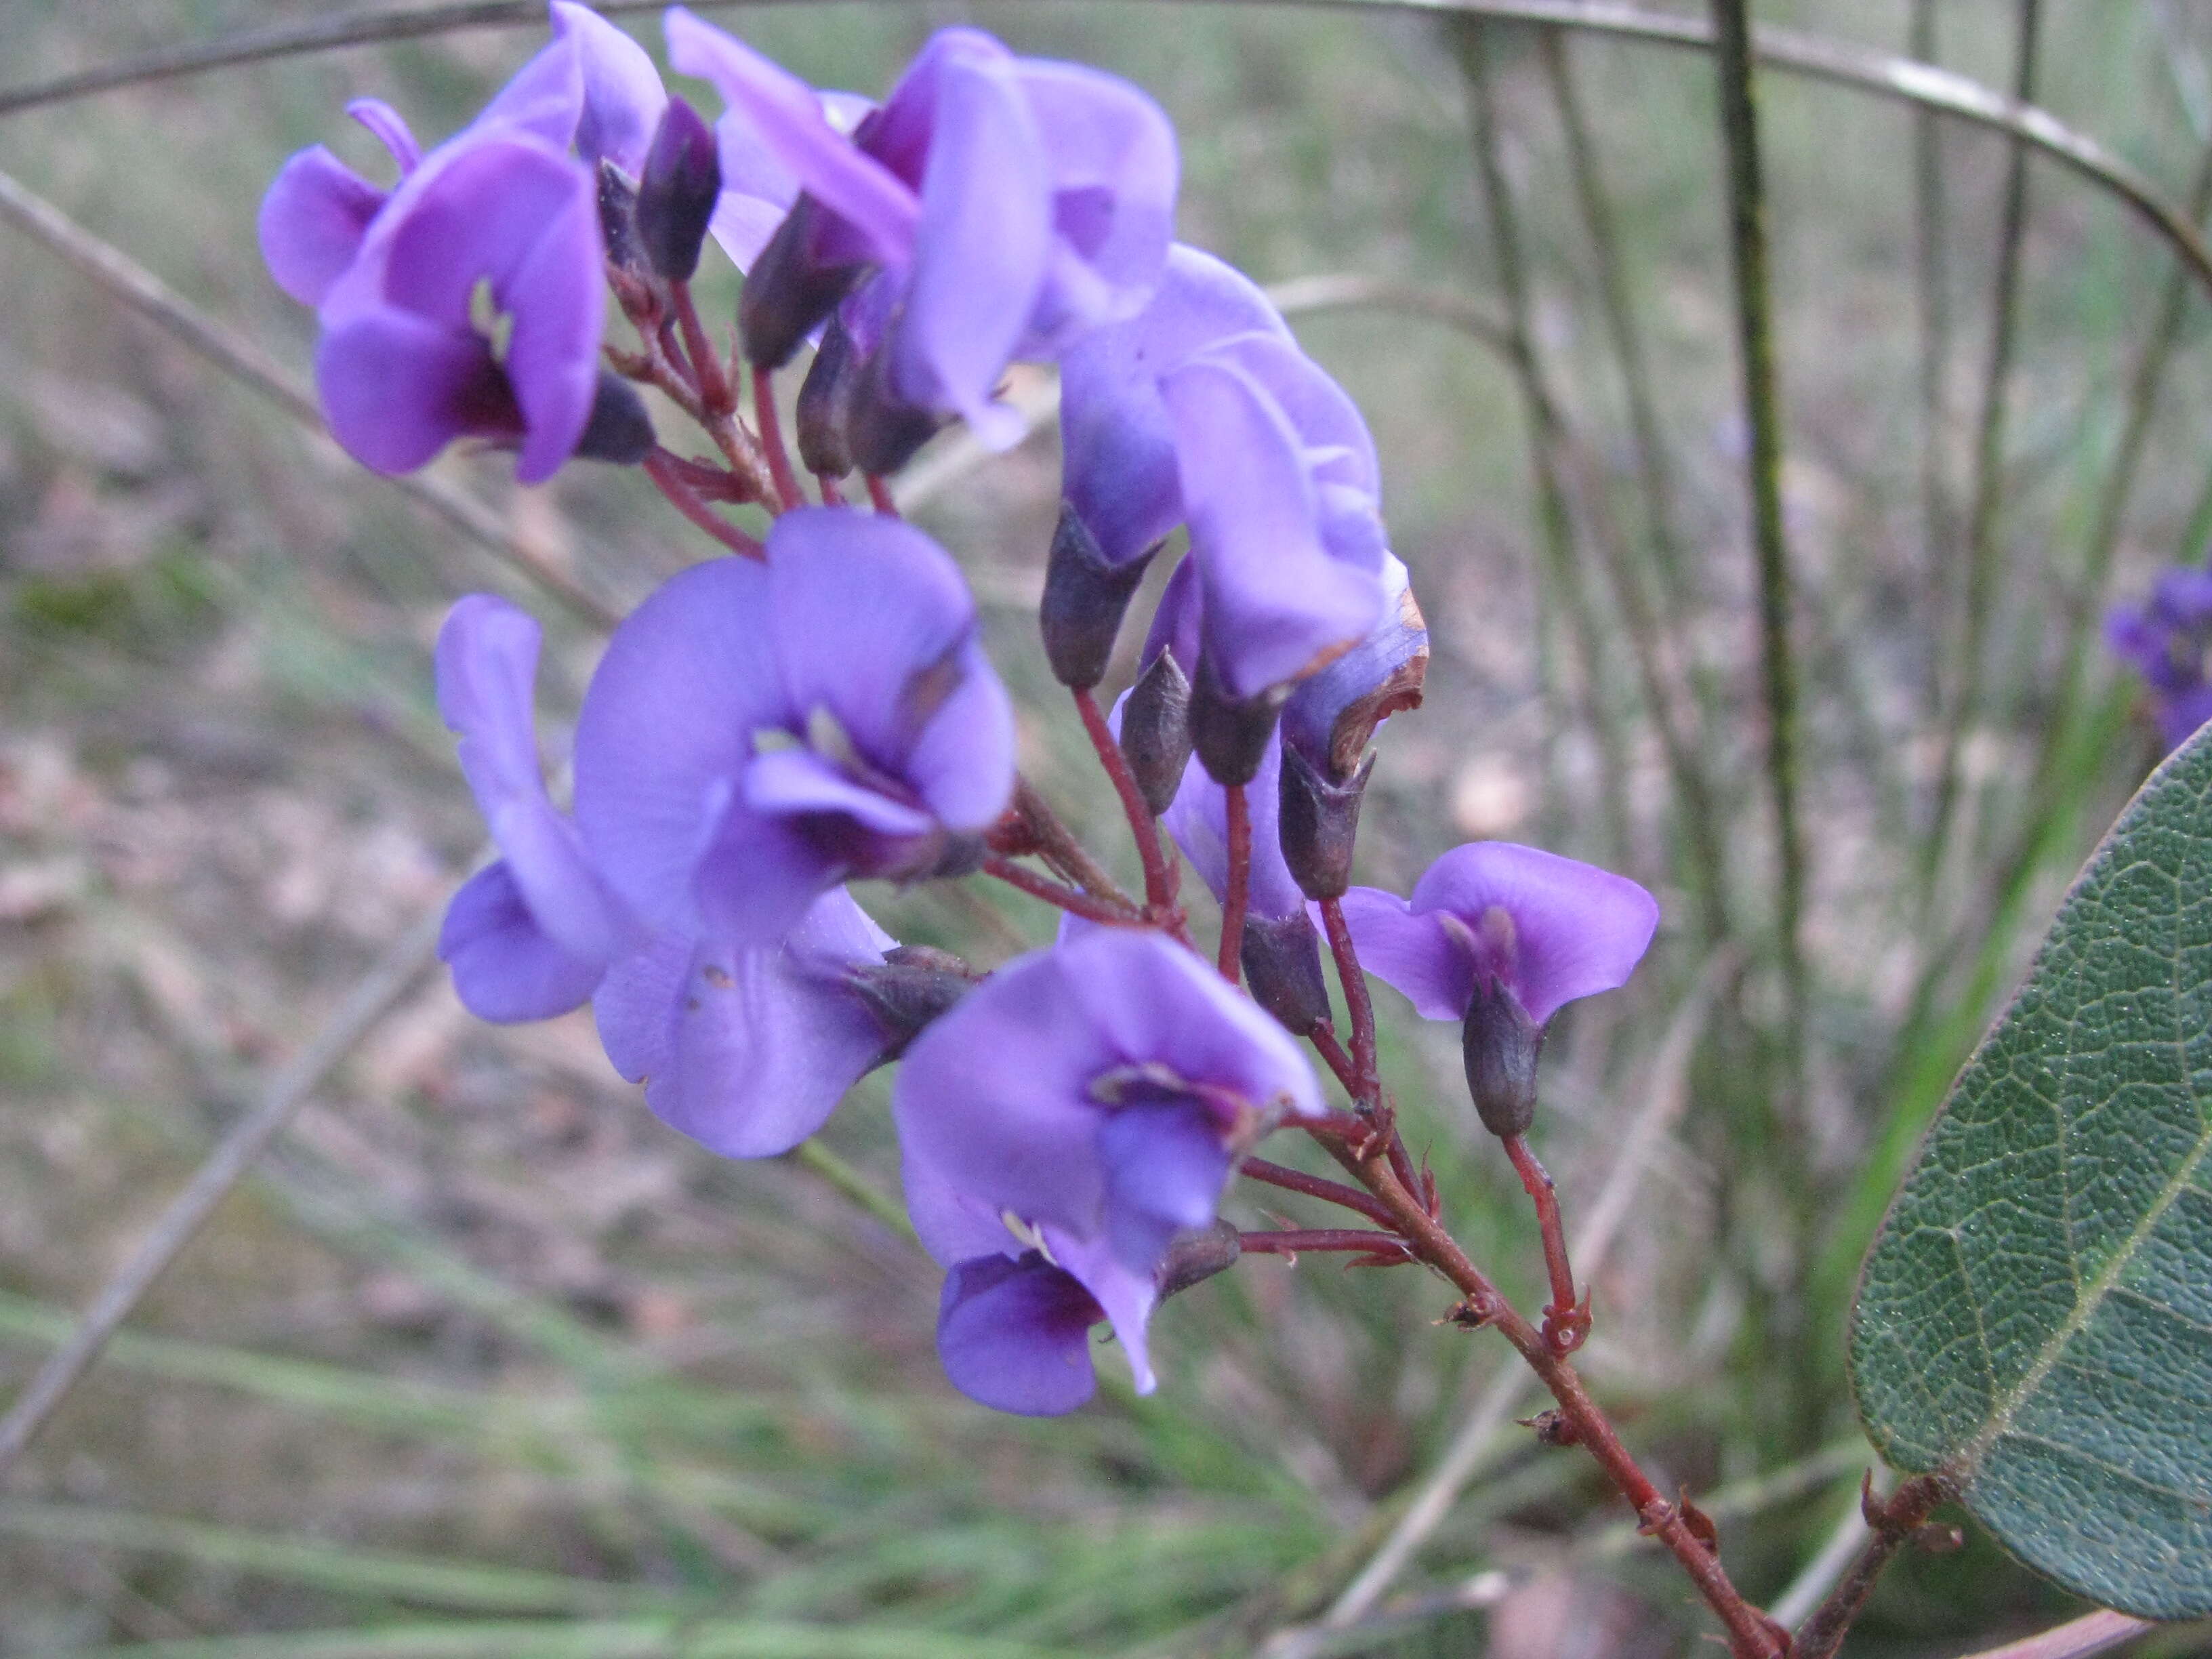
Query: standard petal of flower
506	967
1016	1335
667	730
1110	152
1152	1002
995	1096
1409	952
981	249
953	1226
1575	929
1276	605
622	97
397	388
788	116
313	221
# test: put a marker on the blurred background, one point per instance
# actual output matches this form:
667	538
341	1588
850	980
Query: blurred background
482	1360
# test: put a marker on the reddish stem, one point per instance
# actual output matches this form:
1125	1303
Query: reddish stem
1159	884
1566	1320
661	466
1356	1001
1298	1240
1323	1038
879	496
1238	898
771	436
715	389
713	484
1332	1191
1068	898
833	493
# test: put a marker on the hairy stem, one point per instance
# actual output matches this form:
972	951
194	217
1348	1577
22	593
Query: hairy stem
1298	1240
1561	1326
1073	900
771	431
1238	897
665	470
1159	881
1893	1524
1332	1191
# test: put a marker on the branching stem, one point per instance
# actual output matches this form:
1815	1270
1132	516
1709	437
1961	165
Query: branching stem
1073	900
1159	879
771	431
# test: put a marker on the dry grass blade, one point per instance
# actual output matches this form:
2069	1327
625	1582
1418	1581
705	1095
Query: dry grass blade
176	316
372	996
1668	1096
2094	1632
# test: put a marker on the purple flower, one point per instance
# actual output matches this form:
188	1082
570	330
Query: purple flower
758	733
406	363
1490	914
1010	203
2166	642
747	1048
1197	818
529	936
1091	1097
1331	714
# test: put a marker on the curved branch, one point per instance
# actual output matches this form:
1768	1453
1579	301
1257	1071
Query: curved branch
1880	73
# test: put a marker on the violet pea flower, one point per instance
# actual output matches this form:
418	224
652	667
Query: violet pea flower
403	366
1094	1097
1010	203
1500	937
2165	641
758	733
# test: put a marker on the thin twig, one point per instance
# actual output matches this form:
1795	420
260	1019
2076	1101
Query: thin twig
1932	277
1237	893
770	422
1819	1576
1980	596
1294	1241
1560	567
372	995
178	317
1879	73
1073	900
1159	882
1763	414
1891	1525
1667	1094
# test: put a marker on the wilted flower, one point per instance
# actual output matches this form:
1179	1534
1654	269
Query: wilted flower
758	733
1009	203
494	231
2167	640
1085	1102
1499	937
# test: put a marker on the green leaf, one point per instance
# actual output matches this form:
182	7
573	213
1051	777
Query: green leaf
2034	1321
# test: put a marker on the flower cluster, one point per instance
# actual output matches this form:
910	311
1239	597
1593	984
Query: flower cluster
2167	641
765	730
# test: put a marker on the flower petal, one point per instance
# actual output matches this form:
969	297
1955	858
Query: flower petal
1016	1335
391	130
1127	1297
788	117
506	967
622	97
1575	929
792	782
1197	818
544	99
982	248
1165	1166
312	220
397	388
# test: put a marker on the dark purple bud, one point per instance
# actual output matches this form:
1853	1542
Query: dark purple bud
1500	1044
1196	1256
1086	598
618	430
912	986
1282	964
883	429
676	193
1320	821
618	220
789	292
824	398
1156	731
1230	733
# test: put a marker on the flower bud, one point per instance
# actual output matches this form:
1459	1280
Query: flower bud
1282	964
1231	734
618	429
1331	714
1084	600
824	397
1320	820
882	428
788	292
676	195
1156	731
913	985
618	220
1500	1044
1196	1256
